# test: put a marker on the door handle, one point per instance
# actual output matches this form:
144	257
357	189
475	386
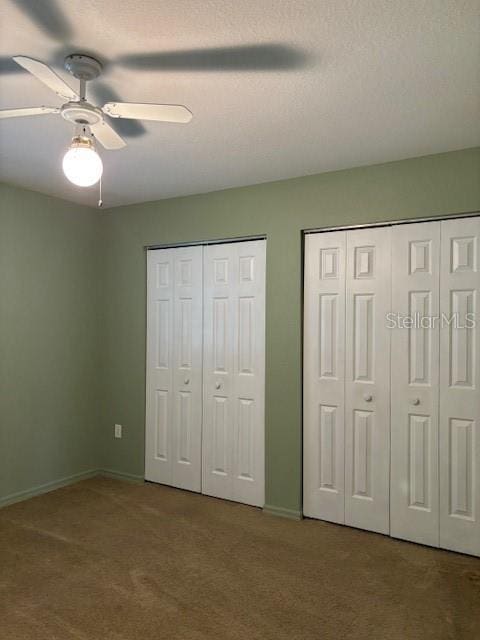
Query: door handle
218	385
367	397
415	401
186	381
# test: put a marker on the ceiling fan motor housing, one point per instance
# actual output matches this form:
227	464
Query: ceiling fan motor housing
86	118
82	113
83	67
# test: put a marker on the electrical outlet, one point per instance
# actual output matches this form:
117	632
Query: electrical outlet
118	431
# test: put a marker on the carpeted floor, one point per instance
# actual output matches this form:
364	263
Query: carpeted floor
108	560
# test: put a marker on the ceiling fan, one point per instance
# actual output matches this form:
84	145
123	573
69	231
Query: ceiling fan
81	164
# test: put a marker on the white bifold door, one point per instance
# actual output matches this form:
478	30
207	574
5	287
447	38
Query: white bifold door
415	382
234	371
346	377
391	381
459	437
174	367
435	492
206	369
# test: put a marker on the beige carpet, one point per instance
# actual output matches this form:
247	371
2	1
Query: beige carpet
108	560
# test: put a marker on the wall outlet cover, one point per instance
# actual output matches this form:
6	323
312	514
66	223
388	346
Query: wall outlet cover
118	431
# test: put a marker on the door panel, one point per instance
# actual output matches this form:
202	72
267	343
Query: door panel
188	363
324	356
367	379
161	422
363	432
459	386
219	344
415	378
234	372
159	388
174	367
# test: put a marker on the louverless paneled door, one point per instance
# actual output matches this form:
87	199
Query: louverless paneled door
174	367
234	371
346	378
415	382
367	371
459	437
324	377
435	495
206	369
434	329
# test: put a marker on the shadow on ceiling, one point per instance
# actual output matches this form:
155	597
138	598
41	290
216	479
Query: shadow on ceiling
49	18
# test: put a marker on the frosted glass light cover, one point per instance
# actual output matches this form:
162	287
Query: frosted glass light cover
82	166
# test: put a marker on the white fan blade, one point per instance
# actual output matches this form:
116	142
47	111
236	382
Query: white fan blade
28	111
48	76
107	136
159	112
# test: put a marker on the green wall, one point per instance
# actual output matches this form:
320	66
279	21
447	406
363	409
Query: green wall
48	340
431	185
72	308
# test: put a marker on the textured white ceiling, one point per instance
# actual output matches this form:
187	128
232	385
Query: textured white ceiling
372	81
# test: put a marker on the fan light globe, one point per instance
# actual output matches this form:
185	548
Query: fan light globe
81	164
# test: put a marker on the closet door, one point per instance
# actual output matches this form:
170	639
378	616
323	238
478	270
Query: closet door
415	379
459	386
324	381
234	371
367	379
187	369
174	367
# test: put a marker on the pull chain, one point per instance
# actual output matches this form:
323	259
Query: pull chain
100	201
